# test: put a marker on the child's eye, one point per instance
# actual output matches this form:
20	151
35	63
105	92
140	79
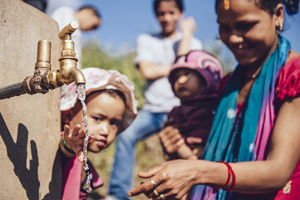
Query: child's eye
97	118
188	73
114	123
160	14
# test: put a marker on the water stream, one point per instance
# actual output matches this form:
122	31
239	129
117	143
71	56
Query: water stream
81	96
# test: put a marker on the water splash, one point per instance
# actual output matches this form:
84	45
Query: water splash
81	96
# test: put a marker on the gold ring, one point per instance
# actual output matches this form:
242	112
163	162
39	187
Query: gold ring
155	193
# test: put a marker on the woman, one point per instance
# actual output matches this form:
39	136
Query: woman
256	125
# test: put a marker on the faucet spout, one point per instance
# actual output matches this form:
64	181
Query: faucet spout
78	76
68	71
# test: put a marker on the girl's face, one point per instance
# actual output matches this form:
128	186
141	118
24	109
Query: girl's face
104	115
187	83
168	14
248	31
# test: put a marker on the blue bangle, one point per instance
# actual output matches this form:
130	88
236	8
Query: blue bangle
67	149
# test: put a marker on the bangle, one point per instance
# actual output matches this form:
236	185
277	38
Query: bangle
66	148
229	174
233	180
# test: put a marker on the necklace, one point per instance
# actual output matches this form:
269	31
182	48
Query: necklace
253	75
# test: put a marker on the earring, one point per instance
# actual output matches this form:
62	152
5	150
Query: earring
280	28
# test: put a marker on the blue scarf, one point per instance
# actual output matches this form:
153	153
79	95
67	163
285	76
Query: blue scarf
236	144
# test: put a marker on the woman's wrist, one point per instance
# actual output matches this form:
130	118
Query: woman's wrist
212	174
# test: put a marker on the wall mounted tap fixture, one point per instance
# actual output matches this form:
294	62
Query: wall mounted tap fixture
44	78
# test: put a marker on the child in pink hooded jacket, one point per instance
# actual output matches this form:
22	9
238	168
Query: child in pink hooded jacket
195	79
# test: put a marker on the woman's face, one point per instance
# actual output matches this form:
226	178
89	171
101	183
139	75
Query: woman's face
187	83
104	115
168	14
248	31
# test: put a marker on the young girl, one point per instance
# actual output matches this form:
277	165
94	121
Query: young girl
111	107
253	148
195	80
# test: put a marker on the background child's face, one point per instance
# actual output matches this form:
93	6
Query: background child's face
187	83
104	115
168	14
89	21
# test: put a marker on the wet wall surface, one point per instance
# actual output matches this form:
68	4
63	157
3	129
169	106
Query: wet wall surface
29	124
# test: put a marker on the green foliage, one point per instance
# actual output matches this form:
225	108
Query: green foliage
93	56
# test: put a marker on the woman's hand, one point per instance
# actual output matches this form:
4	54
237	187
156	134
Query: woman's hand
171	139
173	179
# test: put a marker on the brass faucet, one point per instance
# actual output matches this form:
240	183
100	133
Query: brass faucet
44	78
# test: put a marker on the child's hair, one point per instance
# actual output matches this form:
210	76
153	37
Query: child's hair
179	4
292	6
205	64
100	80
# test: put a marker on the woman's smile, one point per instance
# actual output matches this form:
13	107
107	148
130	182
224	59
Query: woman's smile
239	52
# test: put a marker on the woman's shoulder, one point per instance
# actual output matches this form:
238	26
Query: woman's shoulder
288	79
293	56
292	65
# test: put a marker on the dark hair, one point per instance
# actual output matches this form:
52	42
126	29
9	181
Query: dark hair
95	10
179	4
292	6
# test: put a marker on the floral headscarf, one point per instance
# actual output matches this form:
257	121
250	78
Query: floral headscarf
100	79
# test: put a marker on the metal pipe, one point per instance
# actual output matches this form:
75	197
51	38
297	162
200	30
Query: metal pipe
44	78
11	91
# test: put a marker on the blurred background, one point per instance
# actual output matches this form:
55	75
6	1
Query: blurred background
112	47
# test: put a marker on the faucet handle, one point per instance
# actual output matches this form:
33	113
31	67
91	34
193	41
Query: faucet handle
68	29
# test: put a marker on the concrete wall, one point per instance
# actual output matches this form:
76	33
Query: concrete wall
29	124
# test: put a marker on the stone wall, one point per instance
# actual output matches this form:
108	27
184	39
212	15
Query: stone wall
29	124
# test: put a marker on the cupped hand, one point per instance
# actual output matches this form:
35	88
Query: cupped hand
74	139
174	179
188	26
171	139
